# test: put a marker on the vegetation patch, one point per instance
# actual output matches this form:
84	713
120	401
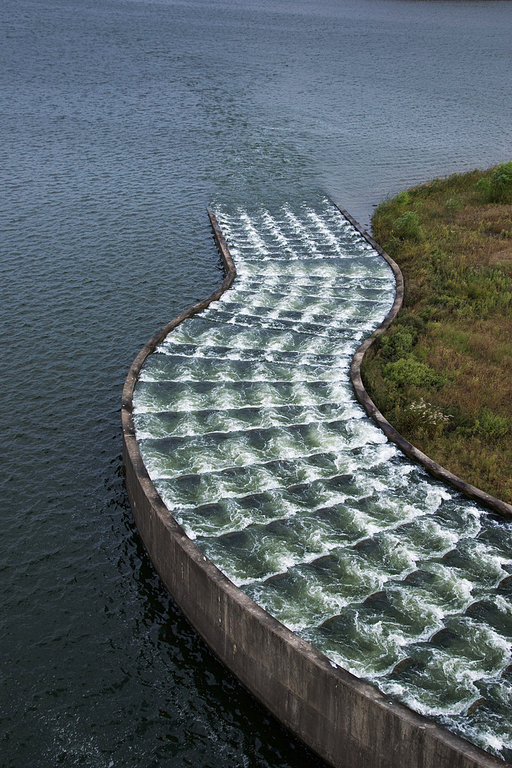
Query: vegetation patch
442	374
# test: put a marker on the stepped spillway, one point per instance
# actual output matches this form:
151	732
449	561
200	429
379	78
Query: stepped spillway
250	431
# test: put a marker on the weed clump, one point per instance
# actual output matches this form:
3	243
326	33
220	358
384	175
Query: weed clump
454	204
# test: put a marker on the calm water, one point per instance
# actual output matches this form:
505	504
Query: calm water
120	122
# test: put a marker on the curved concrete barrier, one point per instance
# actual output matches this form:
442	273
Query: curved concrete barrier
343	719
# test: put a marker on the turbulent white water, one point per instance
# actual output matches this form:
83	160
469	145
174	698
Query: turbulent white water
250	431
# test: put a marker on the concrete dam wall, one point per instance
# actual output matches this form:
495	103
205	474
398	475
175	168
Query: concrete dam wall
345	720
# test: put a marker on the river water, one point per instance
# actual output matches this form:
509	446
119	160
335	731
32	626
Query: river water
121	122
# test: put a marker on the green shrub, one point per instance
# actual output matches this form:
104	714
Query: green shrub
402	198
409	371
491	424
396	345
412	322
407	227
483	186
501	184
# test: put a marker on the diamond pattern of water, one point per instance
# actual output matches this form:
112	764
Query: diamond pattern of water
250	431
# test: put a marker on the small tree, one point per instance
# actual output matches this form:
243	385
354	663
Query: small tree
500	190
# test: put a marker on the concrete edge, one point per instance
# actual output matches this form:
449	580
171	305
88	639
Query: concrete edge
346	721
371	409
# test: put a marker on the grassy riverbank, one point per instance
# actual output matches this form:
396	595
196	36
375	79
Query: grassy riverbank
442	374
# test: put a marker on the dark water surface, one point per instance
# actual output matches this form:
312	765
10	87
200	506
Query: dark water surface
120	122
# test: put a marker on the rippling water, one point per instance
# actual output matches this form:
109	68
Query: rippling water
121	121
252	435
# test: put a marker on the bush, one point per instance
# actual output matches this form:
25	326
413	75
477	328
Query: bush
409	371
397	345
407	227
484	187
412	322
402	198
501	184
491	424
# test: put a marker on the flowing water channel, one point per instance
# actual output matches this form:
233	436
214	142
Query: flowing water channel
251	433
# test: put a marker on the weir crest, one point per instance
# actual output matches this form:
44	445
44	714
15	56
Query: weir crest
250	431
